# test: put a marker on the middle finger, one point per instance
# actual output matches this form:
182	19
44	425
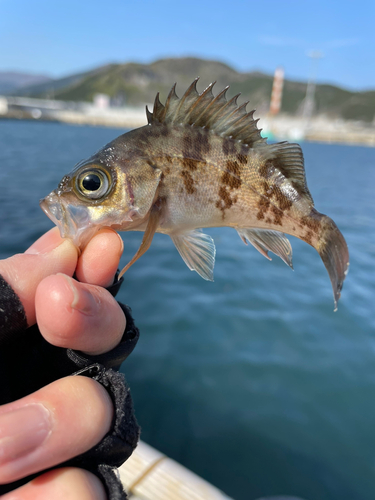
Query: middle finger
100	258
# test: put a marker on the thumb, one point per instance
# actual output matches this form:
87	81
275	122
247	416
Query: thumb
23	272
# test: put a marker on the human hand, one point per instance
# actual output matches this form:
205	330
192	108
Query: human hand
71	415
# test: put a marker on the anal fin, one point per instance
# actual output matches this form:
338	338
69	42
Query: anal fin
265	240
198	252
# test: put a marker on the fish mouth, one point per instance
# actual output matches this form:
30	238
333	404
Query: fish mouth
73	221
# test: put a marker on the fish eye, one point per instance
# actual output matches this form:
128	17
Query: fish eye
93	183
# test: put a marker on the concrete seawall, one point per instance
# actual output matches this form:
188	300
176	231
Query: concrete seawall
281	127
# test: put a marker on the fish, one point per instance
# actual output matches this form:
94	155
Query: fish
200	162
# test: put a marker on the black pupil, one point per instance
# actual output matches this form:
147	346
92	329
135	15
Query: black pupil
91	182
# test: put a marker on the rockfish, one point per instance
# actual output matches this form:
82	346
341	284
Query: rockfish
200	162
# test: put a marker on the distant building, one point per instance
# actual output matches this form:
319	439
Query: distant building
3	106
101	101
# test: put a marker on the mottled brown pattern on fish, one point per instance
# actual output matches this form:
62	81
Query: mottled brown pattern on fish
225	200
316	226
263	206
308	237
278	215
230	180
272	189
271	170
272	202
275	163
187	146
164	131
228	146
188	182
282	201
144	141
296	186
267	189
158	131
264	170
203	141
313	221
242	159
190	164
231	177
195	144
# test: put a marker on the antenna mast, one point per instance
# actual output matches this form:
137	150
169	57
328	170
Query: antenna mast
308	107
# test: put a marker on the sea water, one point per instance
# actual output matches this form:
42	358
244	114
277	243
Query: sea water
252	381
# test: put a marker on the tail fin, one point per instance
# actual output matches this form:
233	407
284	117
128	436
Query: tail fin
334	252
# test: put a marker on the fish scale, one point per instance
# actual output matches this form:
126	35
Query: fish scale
200	162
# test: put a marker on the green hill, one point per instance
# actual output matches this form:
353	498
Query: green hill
135	84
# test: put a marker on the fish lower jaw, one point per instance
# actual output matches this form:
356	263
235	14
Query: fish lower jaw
74	222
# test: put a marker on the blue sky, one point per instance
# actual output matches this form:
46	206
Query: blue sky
60	38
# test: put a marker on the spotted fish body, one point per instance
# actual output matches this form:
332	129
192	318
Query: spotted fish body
200	162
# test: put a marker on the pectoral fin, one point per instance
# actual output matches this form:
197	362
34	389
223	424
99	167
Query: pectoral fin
198	251
265	240
152	225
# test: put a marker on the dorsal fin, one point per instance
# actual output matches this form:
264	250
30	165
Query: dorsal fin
286	159
283	162
216	114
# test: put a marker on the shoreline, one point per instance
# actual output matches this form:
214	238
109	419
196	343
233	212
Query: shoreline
292	129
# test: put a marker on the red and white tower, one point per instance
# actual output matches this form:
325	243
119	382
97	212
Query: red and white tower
277	91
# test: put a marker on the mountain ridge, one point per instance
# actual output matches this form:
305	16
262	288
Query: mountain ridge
136	83
12	80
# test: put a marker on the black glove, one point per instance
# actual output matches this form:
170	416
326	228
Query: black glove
28	362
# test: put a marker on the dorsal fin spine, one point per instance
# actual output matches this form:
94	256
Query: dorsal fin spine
190	90
200	99
245	118
237	113
158	108
226	109
230	117
171	103
149	115
214	102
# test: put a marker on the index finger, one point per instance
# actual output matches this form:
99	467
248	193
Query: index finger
23	272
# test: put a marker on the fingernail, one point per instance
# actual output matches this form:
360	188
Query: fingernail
46	243
83	300
23	430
